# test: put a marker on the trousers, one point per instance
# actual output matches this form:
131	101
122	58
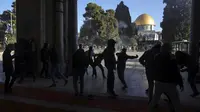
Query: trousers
170	90
78	74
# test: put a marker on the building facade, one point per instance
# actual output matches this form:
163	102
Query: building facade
145	25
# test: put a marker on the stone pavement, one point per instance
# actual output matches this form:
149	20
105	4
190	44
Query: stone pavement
134	76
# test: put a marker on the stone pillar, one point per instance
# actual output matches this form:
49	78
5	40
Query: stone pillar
66	30
72	29
50	21
59	31
28	24
195	35
42	22
72	20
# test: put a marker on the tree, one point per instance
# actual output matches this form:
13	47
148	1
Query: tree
111	26
176	20
6	16
98	24
183	29
123	16
5	19
14	7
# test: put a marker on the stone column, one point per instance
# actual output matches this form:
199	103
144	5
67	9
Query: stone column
29	24
42	22
195	35
66	30
72	20
72	29
59	31
50	21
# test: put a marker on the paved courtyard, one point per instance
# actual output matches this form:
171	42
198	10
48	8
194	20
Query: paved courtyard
134	76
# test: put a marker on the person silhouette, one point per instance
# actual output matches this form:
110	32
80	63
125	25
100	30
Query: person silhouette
110	63
8	68
184	60
55	67
97	62
122	57
79	66
147	60
18	66
167	77
45	60
90	54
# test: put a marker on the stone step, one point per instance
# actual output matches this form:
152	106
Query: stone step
24	107
31	105
98	102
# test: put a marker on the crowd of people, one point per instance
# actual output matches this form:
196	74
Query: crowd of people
82	59
162	69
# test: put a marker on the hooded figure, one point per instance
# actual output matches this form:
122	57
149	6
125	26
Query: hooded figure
167	77
110	63
147	60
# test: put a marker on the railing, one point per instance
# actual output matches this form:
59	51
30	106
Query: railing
180	46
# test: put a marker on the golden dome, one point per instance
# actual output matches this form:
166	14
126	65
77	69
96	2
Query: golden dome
144	19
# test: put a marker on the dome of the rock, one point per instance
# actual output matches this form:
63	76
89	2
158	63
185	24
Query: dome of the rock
144	19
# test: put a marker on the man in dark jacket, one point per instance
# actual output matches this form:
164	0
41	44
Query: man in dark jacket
167	77
7	68
45	60
147	60
184	60
122	57
110	63
79	68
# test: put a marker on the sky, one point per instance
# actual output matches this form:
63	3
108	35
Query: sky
136	7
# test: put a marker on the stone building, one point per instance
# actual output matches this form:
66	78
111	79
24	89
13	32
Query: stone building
145	29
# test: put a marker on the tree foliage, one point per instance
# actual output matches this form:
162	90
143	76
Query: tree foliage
123	16
99	25
176	19
5	20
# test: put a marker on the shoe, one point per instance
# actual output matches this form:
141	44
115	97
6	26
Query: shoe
20	81
10	90
53	85
65	82
90	97
147	90
41	76
195	94
81	94
76	94
112	93
125	87
58	77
